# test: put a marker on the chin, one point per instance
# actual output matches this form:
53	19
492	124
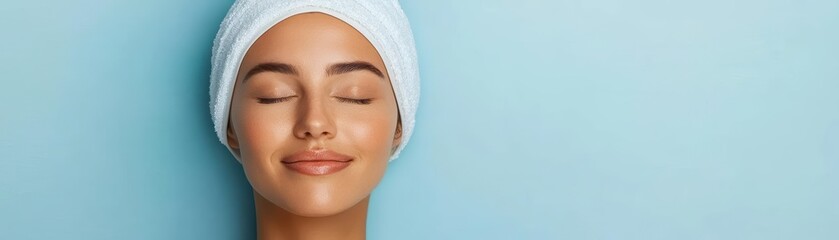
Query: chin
313	199
317	204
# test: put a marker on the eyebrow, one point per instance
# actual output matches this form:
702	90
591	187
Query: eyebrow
346	67
334	69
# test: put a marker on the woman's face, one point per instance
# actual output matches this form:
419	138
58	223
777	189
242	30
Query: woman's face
313	83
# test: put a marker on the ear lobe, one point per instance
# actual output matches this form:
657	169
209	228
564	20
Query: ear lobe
231	138
397	138
398	134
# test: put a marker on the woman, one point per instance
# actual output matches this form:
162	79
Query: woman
314	98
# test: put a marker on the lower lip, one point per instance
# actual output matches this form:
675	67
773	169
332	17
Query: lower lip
317	168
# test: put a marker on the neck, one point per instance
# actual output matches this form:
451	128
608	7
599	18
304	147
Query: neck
275	223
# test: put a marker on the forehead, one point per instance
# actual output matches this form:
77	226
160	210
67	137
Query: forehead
312	40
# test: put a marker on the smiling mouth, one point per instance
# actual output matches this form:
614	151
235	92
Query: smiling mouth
317	167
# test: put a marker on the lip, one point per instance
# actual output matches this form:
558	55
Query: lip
317	162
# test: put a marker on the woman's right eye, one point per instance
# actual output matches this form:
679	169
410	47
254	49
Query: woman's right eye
273	100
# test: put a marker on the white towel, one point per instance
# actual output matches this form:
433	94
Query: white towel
382	21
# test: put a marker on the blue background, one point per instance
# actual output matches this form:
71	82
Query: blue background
587	119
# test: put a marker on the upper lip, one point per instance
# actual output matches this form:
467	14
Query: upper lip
316	155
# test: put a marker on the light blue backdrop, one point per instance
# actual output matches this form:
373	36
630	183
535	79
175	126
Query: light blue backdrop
587	119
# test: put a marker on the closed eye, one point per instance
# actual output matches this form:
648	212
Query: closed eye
356	101
274	100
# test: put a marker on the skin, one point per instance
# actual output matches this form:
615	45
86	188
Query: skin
277	112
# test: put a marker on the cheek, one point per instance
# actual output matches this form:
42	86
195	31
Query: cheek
370	131
262	131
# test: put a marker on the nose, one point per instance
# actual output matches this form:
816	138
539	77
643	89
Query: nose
314	121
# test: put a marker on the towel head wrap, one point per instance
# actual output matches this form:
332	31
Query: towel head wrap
382	22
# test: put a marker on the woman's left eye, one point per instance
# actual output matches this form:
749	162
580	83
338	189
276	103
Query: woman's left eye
356	101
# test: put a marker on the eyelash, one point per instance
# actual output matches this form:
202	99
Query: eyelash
283	99
273	100
356	101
